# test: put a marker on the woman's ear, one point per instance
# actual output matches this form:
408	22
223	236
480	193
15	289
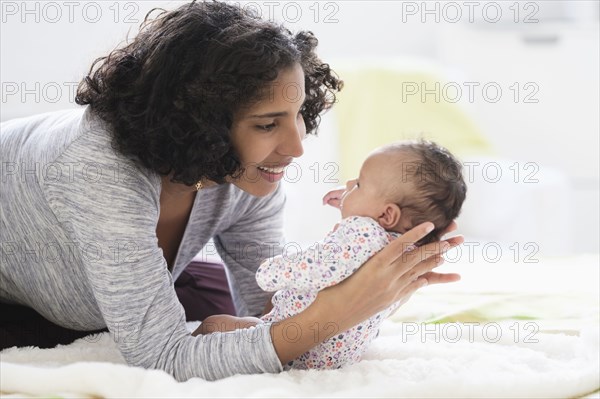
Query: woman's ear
390	216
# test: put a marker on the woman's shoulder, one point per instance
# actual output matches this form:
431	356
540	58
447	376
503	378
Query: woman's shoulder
44	118
41	128
44	137
71	149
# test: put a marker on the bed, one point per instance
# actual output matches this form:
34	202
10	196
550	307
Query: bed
505	330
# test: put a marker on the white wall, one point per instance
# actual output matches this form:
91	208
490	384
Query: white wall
47	46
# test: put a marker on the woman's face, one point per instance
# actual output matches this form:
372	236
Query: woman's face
268	135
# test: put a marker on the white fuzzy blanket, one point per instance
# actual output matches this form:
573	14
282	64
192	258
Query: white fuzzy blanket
558	366
408	359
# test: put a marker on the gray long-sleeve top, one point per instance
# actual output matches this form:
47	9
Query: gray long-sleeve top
79	246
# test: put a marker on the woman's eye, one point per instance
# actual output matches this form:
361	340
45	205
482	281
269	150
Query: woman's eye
266	128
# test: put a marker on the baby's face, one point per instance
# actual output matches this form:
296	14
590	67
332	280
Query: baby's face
365	196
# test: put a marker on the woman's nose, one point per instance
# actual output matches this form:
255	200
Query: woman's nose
292	142
350	184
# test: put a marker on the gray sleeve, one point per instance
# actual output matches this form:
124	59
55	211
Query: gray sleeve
135	293
254	237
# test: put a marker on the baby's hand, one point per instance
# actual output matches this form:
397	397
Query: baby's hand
334	197
225	322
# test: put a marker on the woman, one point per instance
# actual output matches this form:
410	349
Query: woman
183	139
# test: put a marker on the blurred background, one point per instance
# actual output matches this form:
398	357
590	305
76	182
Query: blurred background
511	87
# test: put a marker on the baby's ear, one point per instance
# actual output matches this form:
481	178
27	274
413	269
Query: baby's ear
390	216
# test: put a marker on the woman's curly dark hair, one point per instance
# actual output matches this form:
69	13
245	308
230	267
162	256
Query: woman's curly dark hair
170	95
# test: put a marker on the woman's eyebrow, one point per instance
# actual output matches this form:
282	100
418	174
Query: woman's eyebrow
273	114
269	115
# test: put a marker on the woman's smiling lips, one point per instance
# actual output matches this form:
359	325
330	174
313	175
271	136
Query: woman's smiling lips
272	173
271	177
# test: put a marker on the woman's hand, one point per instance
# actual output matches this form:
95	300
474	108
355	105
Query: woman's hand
391	275
225	322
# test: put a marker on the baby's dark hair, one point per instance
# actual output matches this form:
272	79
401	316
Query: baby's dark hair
170	95
436	176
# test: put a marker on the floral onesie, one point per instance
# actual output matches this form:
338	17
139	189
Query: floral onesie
298	278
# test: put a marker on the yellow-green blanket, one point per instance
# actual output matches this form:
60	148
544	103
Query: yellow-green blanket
379	105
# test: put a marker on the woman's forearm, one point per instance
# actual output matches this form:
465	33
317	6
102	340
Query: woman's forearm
297	334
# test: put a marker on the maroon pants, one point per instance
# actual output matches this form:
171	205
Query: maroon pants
202	290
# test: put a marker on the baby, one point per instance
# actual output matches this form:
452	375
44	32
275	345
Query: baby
400	186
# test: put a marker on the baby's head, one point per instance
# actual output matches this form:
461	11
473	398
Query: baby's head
402	185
